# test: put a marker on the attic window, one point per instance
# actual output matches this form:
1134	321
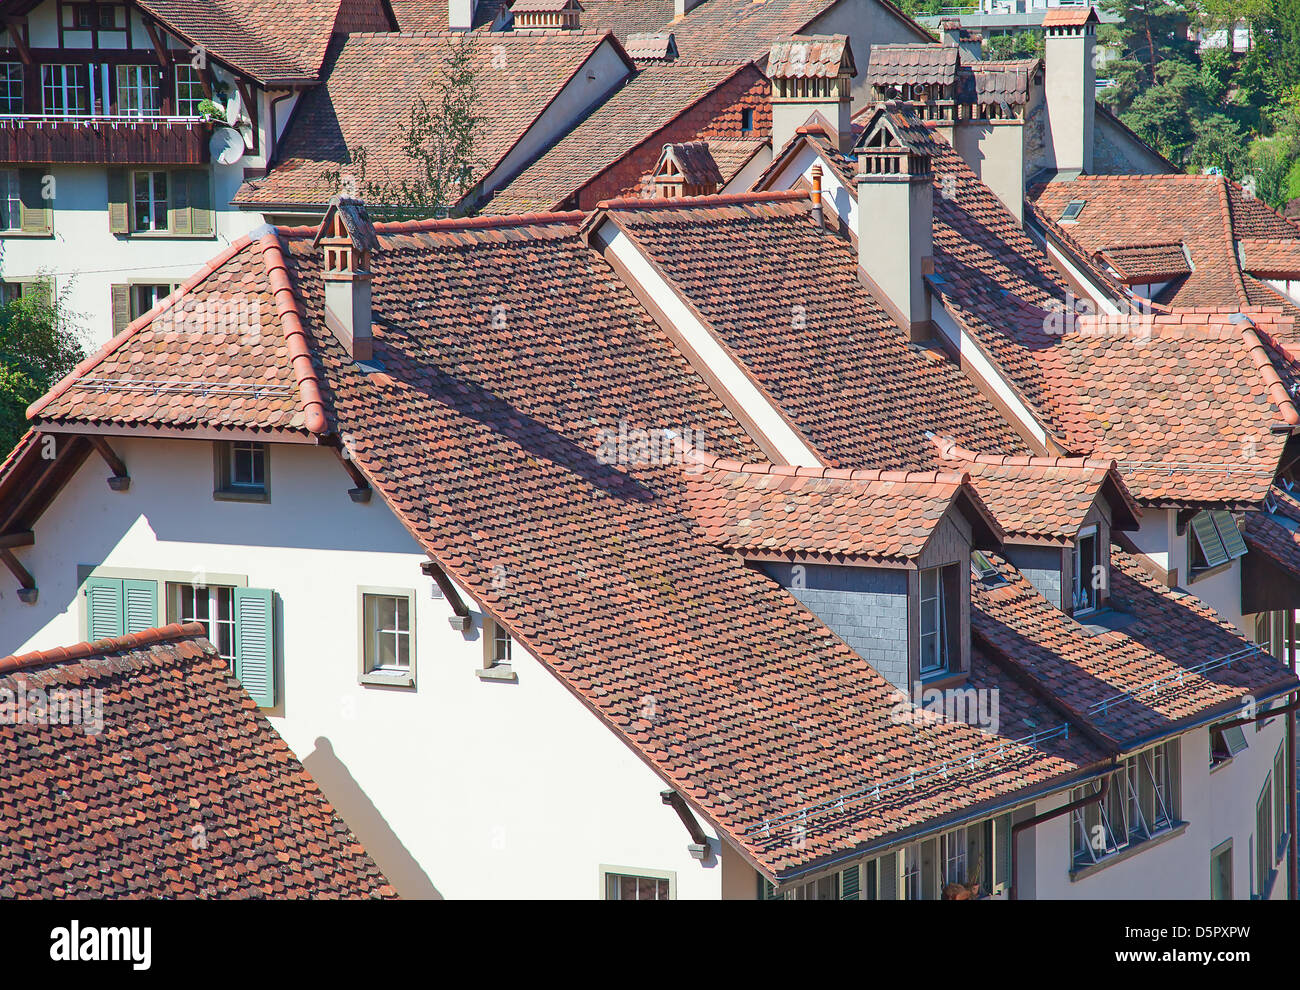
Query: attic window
1225	744
940	608
1088	575
1215	540
1072	210
747	120
985	571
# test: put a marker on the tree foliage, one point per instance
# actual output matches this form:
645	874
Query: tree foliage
438	134
38	346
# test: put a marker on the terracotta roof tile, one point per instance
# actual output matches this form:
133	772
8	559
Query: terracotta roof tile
650	46
864	515
201	798
1146	263
1272	258
811	57
913	64
1069	16
516	75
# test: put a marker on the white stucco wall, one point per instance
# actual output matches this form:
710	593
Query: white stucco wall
459	787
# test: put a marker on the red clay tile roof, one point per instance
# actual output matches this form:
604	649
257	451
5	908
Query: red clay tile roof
863	515
431	15
628	17
786	301
812	56
516	77
1206	213
650	46
269	40
646	103
1176	663
187	790
1002	82
1278	259
694	162
1143	264
1069	16
218	353
1042	497
913	64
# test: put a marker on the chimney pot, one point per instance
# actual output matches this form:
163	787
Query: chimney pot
347	238
817	216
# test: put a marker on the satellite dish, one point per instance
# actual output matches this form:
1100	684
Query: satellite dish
234	106
226	145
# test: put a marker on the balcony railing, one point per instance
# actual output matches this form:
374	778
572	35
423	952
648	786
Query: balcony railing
49	139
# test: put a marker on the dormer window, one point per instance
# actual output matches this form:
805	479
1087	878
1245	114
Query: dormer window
935	610
1214	540
1087	573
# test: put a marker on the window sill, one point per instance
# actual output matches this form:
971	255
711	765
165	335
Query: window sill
501	672
942	679
388	678
233	495
27	235
162	235
1204	572
1083	872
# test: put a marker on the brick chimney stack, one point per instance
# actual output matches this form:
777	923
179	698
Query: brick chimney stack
347	239
460	14
812	75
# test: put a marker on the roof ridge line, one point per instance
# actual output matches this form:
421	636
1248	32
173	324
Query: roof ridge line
698	202
139	323
703	461
1235	267
295	334
1277	389
451	224
117	644
949	449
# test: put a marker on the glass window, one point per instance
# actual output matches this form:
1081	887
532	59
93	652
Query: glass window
11	87
247	465
137	91
1140	804
1085	573
65	89
146	297
1264	840
149	201
387	621
952	856
189	91
934	646
499	645
1221	873
746	120
624	887
214	607
11	204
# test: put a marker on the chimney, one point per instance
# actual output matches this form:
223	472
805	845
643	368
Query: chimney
460	14
963	39
896	214
818	215
347	238
686	169
683	7
812	75
1070	40
546	15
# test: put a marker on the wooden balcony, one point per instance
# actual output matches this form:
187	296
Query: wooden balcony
104	140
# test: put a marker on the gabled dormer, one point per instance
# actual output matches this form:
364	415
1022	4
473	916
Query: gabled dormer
1059	514
881	557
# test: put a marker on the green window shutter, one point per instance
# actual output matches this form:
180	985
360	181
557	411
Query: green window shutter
850	883
1230	533
140	605
1208	537
203	222
255	643
178	210
121	295
41	289
1002	839
104	611
119	201
888	882
36	215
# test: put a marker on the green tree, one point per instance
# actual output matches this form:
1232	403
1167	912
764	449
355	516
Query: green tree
1163	114
1220	143
1152	31
438	135
38	346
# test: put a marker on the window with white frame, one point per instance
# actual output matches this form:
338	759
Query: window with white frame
934	625
1140	804
910	872
148	201
496	644
1086	571
11	200
66	89
952	856
213	606
388	636
11	88
138	92
242	470
146	297
189	91
633	887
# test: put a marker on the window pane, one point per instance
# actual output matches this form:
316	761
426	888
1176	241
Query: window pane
387	612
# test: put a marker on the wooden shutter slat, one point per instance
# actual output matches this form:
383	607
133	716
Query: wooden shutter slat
203	222
121	298
119	201
35	215
179	214
1230	533
104	613
850	883
1208	537
139	605
255	643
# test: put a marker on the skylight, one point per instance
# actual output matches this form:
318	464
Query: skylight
1072	210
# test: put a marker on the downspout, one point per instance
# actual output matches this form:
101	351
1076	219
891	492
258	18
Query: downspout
273	139
1029	823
